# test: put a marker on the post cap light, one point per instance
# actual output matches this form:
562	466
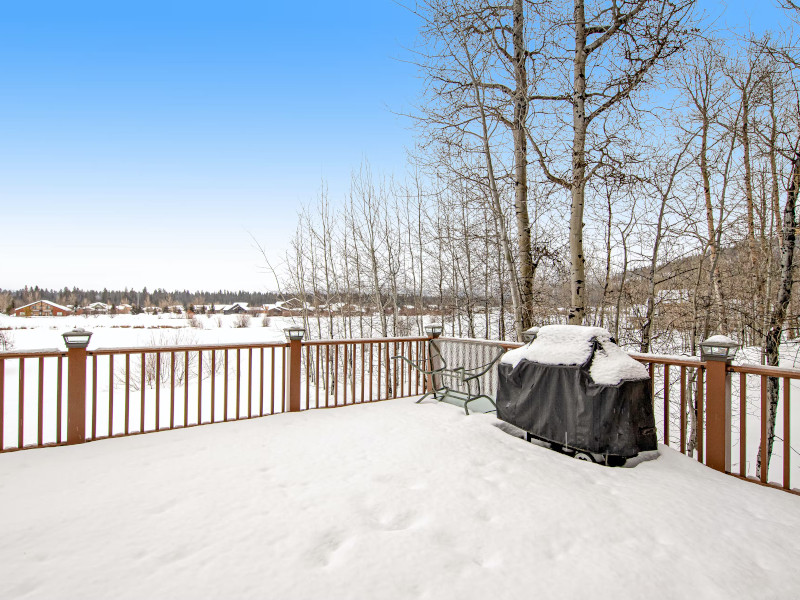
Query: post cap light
530	334
77	338
295	333
718	347
434	330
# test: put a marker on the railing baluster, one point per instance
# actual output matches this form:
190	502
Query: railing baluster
199	386
110	395
388	369
395	376
172	391
261	384
362	371
225	386
410	357
416	372
186	390
21	426
238	381
158	390
743	424
336	375
317	377
683	410
94	396
308	377
371	371
380	364
127	392
284	352
327	373
399	371
213	385
59	400
764	418
353	352
40	429
249	382
344	369
272	383
700	420
3	401
787	448
666	405
142	385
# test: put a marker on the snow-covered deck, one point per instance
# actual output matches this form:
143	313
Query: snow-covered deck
389	500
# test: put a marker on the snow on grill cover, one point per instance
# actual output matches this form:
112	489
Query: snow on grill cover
574	386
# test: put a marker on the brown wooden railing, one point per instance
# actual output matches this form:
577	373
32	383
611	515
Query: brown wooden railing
24	421
714	412
127	391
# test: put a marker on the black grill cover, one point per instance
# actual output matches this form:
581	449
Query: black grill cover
562	404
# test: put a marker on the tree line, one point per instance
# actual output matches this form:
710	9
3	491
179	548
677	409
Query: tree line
159	297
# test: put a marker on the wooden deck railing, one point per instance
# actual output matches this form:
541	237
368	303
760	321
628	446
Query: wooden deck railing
114	392
128	391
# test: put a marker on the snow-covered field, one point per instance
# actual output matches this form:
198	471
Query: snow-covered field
387	500
117	331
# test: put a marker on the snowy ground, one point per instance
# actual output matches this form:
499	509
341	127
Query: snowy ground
116	331
389	500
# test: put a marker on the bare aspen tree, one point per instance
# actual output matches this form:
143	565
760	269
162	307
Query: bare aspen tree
610	50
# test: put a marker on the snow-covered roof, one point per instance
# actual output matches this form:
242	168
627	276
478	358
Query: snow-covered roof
224	307
573	345
53	304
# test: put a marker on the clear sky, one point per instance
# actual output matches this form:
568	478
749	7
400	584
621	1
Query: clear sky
142	142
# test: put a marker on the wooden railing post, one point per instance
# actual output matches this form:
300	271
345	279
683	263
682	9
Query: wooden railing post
295	351
76	396
294	366
718	415
76	342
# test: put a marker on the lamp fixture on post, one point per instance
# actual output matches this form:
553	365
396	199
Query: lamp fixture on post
718	347
294	333
434	330
530	334
77	338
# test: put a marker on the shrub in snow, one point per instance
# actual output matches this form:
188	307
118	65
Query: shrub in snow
6	341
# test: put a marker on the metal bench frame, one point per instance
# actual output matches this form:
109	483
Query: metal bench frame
468	379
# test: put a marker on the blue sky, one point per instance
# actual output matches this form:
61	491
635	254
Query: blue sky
141	142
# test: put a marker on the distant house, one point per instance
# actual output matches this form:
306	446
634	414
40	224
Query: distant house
124	309
42	308
237	308
291	303
292	307
95	308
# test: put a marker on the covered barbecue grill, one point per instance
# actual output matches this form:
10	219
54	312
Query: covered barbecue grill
573	387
